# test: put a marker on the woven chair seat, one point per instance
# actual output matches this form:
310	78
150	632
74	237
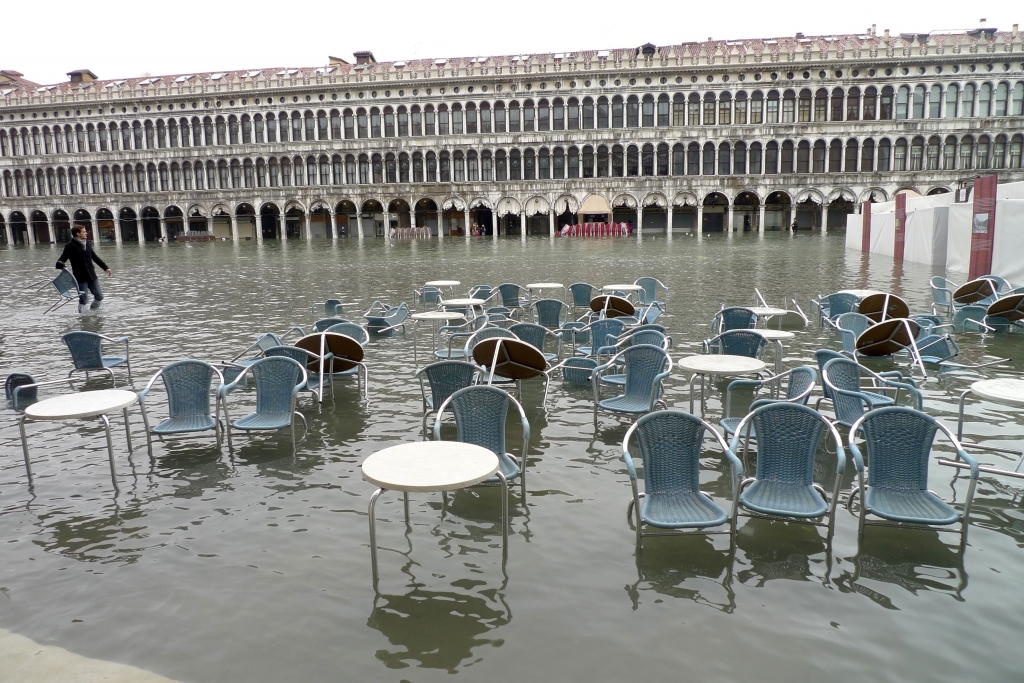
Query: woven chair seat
913	506
181	425
264	421
729	424
454	354
878	400
627	404
113	361
784	499
508	467
681	510
615	380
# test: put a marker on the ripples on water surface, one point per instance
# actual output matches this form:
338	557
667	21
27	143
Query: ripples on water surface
255	567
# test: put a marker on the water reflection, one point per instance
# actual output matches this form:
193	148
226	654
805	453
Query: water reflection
925	564
688	568
783	551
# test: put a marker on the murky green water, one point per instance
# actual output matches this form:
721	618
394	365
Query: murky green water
255	567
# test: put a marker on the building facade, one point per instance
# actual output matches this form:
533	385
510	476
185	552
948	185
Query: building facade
739	135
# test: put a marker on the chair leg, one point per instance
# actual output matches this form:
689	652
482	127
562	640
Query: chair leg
373	534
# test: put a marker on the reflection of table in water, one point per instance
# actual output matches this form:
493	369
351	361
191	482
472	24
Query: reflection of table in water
721	364
435	317
430	466
776	336
1007	392
80	406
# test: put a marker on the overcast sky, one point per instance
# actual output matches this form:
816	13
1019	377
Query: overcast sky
125	38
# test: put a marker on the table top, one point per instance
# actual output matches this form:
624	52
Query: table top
720	364
429	466
442	283
1007	391
860	293
82	404
765	311
462	302
545	285
437	315
622	288
774	335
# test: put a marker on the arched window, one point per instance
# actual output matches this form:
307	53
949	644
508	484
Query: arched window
647	112
709	109
949	153
364	170
663	109
981	157
632	161
935	102
618	163
952	95
999	152
693	109
602	162
513	117
348	120
544	164
486	166
803	156
1016	144
919	95
529	165
458	121
588	113
362	124
471	123
786	157
899	157
885	108
336	133
572	163
818	165
789	107
853	104
709	159
693	159
903	102
617	115
967	104
755	158
916	153
602	112
739	159
662	160
403	167
757	107
803	110
588	161
724	158
771	158
837	104
835	156
772	107
246	132
485	118
985	100
558	114
967	152
389	122
529	120
870	103
850	164
458	166
632	112
725	109
574	114
558	163
1002	94
1017	104
884	149
821	105
740	109
932	153
543	115
417	167
515	163
647	160
499	117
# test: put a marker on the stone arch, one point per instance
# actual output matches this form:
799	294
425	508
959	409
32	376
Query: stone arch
939	189
61	225
508	205
568	203
427	215
128	221
808	209
536	205
372	211
245	219
811	195
875	194
778	207
624	201
841	193
270	221
684	198
655	199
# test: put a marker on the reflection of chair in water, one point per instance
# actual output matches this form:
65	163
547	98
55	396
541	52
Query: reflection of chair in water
87	354
670	443
684	574
188	384
899	444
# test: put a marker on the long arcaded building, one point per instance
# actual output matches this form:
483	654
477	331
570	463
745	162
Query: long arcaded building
738	134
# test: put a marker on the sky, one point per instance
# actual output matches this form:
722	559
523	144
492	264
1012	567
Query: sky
126	38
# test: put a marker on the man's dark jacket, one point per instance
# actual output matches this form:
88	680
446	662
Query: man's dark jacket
81	259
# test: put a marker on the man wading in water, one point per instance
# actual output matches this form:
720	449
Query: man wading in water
80	252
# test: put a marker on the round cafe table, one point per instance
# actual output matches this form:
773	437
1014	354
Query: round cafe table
435	317
777	336
765	312
1007	392
430	466
860	293
628	290
539	286
80	406
721	364
450	284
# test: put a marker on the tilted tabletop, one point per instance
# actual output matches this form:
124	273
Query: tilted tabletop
430	466
82	404
767	311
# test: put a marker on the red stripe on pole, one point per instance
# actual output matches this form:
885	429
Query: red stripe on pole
901	227
983	226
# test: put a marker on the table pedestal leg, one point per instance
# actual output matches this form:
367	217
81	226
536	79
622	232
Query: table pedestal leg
692	377
373	534
24	448
110	449
405	504
127	430
778	357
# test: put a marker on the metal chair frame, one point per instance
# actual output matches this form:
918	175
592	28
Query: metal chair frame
102	367
218	427
225	389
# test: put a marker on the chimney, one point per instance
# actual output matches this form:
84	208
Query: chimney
1014	32
874	30
364	57
887	35
82	76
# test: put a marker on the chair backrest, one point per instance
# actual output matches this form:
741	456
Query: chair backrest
670	443
188	384
267	341
85	350
942	290
576	370
735	318
20	379
322	324
899	443
581	293
357	332
446	377
650	286
487	333
307	359
277	382
1000	284
927	323
604	332
648	336
651	314
854	322
787	440
332	308
532	334
738	343
428	295
967	319
481	292
510	294
643	363
480	413
66	284
823	356
843	373
549	313
800	380
841	303
935	347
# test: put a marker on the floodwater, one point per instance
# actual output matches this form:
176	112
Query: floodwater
254	566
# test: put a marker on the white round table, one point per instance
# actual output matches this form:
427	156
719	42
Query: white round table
450	284
777	336
539	286
79	406
434	317
1007	392
428	466
721	364
860	293
768	312
628	290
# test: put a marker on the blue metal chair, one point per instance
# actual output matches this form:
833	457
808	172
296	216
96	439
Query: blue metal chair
188	384
737	343
576	370
899	442
513	296
646	367
480	413
733	318
851	326
87	354
427	296
21	388
332	308
277	381
582	294
233	368
458	333
490	333
603	335
942	294
315	380
481	292
444	379
67	290
672	503
382	318
549	312
649	294
651	314
783	485
357	332
798	390
834	305
850	399
972	318
940	350
635	337
535	336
